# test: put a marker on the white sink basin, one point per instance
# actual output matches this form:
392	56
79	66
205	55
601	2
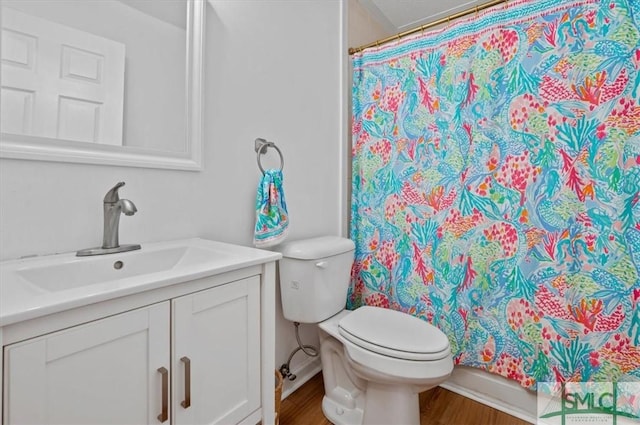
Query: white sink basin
41	285
77	271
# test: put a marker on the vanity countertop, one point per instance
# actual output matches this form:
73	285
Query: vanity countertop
38	286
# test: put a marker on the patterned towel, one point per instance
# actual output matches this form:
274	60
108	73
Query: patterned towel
272	218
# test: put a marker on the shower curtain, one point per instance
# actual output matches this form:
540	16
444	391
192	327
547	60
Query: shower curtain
496	170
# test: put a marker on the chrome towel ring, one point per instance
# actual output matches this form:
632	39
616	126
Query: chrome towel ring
261	146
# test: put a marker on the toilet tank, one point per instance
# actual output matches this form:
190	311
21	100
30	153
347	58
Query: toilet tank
314	277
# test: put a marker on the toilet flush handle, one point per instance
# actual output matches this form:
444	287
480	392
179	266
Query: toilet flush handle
322	264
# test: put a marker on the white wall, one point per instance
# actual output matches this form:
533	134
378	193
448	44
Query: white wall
274	70
277	71
362	27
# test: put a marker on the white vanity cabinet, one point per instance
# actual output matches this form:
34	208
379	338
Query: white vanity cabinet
200	351
115	370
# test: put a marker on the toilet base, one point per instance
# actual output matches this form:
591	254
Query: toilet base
339	415
391	404
386	404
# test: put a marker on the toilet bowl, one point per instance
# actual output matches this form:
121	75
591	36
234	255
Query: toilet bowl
375	361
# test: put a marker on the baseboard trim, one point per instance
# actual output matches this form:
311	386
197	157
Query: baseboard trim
493	391
303	373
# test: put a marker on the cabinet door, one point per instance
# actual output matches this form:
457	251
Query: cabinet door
103	372
217	332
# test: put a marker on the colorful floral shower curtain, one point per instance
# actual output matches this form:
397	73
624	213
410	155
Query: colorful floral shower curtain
496	170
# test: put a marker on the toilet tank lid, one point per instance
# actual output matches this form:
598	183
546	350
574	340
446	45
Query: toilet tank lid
315	248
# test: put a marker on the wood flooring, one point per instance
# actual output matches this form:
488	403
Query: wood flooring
437	407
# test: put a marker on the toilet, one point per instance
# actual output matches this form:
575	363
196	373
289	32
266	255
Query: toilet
375	361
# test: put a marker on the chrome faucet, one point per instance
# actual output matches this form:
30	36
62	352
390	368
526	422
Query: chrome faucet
112	206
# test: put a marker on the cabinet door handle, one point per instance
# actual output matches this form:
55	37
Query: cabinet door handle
162	417
187	382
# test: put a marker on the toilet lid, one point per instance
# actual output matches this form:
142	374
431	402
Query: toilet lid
394	334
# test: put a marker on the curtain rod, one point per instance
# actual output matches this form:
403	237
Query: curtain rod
397	37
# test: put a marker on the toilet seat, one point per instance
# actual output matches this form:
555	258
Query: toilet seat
394	334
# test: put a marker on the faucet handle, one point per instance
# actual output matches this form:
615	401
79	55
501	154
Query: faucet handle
112	195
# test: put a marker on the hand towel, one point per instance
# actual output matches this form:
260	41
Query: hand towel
272	218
